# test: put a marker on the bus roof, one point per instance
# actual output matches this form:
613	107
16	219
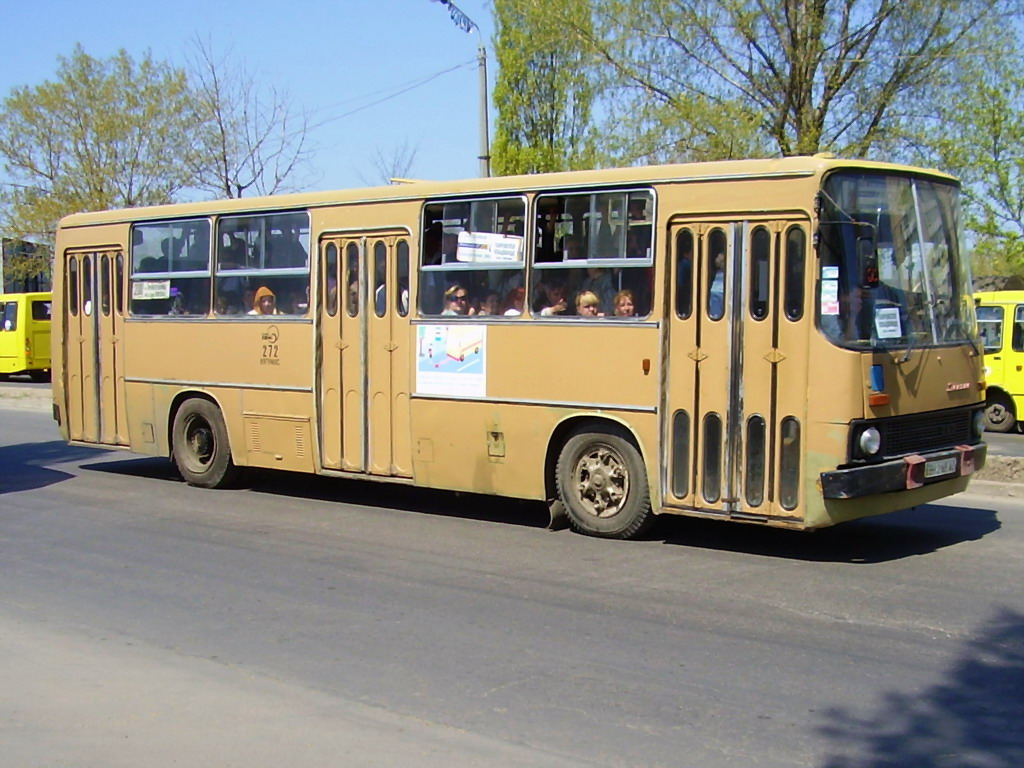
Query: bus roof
1000	297
681	173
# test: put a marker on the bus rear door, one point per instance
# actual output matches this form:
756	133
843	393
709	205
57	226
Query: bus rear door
94	367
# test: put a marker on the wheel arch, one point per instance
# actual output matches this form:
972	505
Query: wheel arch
593	422
176	403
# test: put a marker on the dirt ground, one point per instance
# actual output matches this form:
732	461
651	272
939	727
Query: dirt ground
1003	469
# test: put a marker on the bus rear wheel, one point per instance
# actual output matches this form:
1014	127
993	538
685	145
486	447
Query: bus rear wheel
200	445
602	482
999	415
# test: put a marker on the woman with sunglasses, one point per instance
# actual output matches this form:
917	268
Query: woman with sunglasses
456	301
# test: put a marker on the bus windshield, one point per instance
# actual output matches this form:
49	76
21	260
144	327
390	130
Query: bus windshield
892	274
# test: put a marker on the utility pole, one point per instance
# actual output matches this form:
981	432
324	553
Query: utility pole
466	24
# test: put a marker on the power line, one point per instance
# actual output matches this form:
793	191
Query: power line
401	89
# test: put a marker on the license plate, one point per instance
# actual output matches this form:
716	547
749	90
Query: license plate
939	467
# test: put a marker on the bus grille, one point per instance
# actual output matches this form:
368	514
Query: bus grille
923	432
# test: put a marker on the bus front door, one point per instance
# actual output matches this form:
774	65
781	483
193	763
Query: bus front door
364	372
94	369
737	374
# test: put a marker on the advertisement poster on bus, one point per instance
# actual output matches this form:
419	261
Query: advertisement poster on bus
451	360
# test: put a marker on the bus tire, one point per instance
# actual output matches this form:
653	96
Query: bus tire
999	416
602	482
200	445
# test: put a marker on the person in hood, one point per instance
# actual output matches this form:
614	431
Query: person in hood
264	302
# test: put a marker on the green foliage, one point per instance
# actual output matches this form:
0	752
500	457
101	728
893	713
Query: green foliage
975	130
23	262
543	92
730	78
104	134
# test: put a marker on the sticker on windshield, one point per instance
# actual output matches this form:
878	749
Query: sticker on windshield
887	323
829	297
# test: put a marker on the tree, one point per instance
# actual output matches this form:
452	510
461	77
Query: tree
782	76
543	93
979	136
392	165
104	134
251	138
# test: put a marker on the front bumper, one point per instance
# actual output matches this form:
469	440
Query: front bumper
903	474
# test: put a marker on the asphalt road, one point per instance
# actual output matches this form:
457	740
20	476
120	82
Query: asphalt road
312	622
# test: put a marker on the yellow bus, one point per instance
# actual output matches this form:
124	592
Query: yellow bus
1001	324
786	342
25	334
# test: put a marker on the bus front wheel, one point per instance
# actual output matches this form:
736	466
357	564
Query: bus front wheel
200	445
999	413
603	484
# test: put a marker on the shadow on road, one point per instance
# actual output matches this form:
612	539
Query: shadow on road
26	466
365	493
885	538
873	540
971	718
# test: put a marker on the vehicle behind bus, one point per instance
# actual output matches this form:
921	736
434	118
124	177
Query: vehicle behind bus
25	334
1001	326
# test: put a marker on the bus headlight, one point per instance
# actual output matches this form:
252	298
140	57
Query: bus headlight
979	423
869	441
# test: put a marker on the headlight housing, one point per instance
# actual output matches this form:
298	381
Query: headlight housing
869	441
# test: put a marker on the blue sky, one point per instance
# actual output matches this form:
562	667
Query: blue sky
334	57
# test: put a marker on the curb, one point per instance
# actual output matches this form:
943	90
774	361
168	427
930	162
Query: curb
26	398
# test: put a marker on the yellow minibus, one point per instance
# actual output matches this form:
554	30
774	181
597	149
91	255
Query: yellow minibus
25	334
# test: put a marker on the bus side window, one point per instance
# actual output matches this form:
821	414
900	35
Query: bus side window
716	274
1018	329
684	273
760	253
794	296
11	316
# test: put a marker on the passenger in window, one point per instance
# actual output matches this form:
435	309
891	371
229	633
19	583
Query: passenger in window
572	248
599	282
456	301
624	304
489	304
233	254
178	306
552	301
716	294
298	301
227	304
289	251
353	298
265	302
588	305
514	302
449	248
248	299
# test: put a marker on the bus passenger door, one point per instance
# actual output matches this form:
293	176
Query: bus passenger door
94	367
736	379
109	293
341	391
699	351
81	333
363	377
